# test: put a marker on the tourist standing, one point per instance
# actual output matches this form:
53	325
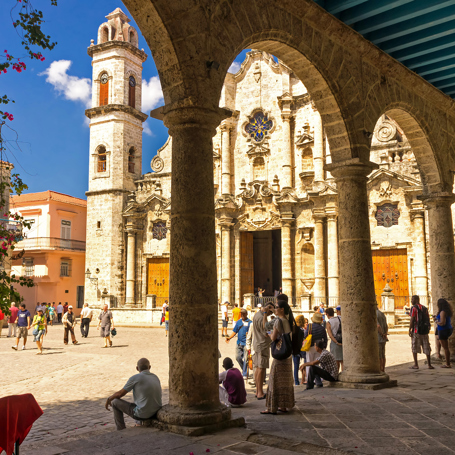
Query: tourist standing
166	320
327	369
12	320
232	386
419	328
106	320
86	318
59	312
300	322
444	328
40	329
51	312
334	332
23	324
2	319
260	347
224	319
318	332
69	322
235	315
280	392
65	308
163	312
383	331
322	311
241	330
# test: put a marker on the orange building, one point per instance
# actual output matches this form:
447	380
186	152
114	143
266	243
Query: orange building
54	247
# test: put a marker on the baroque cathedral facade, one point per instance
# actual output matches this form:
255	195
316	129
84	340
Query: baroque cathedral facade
275	204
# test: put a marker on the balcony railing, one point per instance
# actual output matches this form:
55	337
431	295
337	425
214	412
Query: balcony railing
50	243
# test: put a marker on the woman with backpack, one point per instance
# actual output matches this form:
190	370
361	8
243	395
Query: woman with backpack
335	334
444	328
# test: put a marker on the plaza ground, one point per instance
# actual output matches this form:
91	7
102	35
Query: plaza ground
71	384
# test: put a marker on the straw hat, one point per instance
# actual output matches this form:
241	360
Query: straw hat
317	318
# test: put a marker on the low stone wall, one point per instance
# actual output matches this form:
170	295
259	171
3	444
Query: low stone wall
137	316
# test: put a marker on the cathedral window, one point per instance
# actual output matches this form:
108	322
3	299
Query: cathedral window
104	35
159	230
102	160
259	168
259	126
104	89
132	92
131	157
387	215
307	159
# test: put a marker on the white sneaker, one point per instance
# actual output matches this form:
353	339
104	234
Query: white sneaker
14	347
23	348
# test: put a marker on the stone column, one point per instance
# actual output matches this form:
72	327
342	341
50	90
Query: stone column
318	149
237	297
319	258
193	346
357	296
130	268
442	255
332	253
225	262
225	160
287	278
420	256
287	151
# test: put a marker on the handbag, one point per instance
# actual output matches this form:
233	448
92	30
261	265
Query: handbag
114	332
339	334
282	347
307	343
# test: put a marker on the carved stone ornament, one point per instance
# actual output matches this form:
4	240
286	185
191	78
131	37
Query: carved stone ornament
157	164
259	221
256	189
385	190
304	137
386	132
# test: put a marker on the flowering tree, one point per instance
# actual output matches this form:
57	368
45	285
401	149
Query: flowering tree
26	22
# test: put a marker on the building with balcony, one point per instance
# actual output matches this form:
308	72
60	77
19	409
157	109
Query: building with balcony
53	248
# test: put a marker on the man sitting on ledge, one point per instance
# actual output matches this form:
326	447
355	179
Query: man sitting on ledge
232	388
327	369
146	389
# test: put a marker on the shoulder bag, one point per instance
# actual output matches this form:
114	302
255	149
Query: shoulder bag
307	343
282	347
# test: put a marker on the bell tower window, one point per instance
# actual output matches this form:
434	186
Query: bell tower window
102	160
131	157
132	92
104	89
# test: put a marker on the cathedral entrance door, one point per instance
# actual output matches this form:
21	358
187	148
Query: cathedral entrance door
246	264
158	279
391	266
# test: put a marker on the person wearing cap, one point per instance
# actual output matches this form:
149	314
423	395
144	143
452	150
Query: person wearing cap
232	387
69	322
241	330
338	308
318	332
40	329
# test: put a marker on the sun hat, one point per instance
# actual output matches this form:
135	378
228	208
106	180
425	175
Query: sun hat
338	308
317	318
71	306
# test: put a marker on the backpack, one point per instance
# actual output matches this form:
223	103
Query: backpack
298	336
339	335
423	321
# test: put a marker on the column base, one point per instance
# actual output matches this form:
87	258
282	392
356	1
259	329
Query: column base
195	423
364	386
363	378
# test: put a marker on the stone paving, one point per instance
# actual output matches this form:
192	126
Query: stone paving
71	384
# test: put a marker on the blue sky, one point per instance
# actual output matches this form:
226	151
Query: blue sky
49	110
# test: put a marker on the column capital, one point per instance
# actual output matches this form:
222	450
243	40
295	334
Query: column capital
318	215
354	168
287	222
229	123
331	216
417	213
225	224
437	199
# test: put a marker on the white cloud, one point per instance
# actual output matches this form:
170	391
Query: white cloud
152	94
147	129
71	87
234	67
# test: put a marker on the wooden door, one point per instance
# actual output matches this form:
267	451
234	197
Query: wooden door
158	277
391	266
246	264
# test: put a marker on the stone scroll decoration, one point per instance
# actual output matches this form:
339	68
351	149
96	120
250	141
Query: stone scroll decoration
259	126
159	230
387	215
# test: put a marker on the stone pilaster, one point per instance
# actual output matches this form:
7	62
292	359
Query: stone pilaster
319	257
357	296
238	297
225	261
332	253
287	277
225	159
130	269
442	254
318	149
287	151
420	256
193	271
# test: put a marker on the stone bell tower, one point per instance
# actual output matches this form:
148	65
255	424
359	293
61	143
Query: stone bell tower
115	154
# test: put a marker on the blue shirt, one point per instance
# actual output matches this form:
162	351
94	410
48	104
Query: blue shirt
448	324
241	329
22	318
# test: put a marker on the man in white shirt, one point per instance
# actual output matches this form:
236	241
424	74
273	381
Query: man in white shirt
224	319
86	318
59	311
